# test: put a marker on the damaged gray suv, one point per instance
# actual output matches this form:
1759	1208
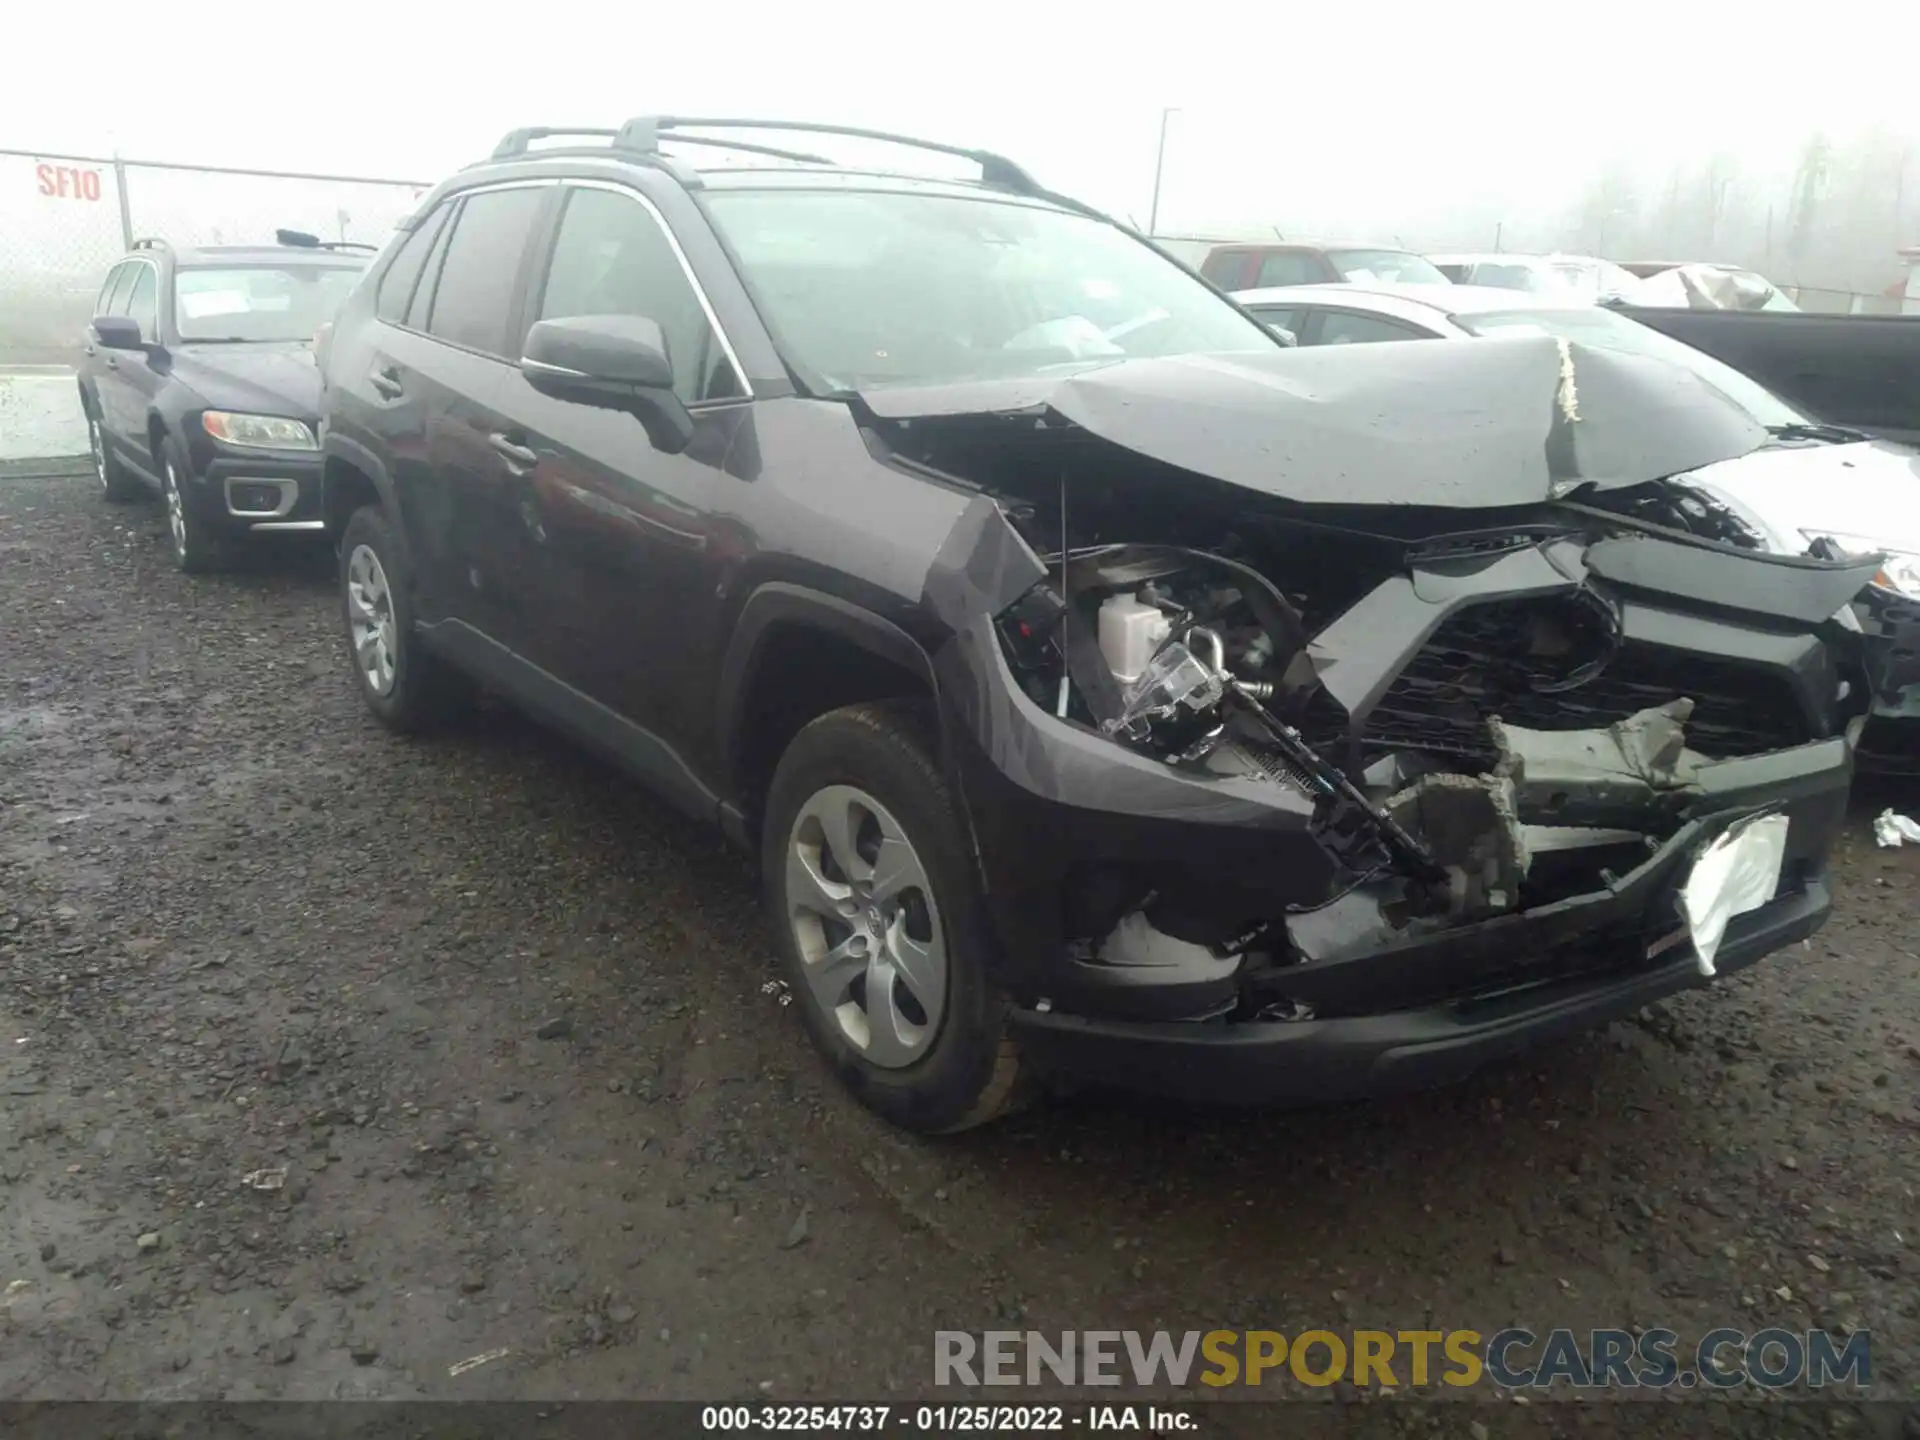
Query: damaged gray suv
1110	693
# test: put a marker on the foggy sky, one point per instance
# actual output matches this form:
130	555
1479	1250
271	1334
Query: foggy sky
1354	117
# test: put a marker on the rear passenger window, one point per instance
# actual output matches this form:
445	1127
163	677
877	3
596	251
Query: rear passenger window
113	295
474	297
1225	269
396	286
143	302
611	257
1288	268
422	302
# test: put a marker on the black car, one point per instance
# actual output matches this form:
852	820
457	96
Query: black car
198	381
1109	691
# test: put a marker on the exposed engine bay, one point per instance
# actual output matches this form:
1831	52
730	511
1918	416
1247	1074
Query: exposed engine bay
1203	663
1472	710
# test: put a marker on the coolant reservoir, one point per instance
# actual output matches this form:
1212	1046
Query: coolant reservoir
1130	631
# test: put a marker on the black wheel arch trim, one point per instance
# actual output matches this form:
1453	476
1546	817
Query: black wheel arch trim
352	452
781	602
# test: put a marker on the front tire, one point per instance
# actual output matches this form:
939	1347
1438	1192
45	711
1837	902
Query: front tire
406	686
879	921
196	549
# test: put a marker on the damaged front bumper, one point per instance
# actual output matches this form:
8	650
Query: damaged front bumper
1360	1056
1233	935
1373	1012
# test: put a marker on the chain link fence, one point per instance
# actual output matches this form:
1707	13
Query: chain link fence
64	219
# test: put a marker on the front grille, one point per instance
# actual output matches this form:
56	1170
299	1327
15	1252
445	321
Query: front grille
1483	662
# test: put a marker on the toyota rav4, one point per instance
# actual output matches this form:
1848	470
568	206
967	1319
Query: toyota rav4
1110	692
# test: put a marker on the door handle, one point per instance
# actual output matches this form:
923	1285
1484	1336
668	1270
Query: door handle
386	380
112	363
89	349
520	460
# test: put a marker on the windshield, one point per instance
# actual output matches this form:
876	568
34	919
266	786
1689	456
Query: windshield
1394	266
259	302
1607	330
866	289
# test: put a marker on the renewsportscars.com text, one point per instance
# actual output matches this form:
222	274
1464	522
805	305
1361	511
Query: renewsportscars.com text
1724	1358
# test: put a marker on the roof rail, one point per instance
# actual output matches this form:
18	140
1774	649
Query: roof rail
518	142
644	133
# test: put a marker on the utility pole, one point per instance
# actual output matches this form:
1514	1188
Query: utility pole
1159	166
1900	195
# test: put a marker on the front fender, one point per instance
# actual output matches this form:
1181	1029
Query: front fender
777	603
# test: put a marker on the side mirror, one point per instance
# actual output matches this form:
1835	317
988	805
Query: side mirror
1284	335
117	332
615	362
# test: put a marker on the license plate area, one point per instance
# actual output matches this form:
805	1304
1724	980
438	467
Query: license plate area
1737	872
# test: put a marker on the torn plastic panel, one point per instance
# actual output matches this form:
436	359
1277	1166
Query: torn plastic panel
1892	622
1354	952
982	568
1805	593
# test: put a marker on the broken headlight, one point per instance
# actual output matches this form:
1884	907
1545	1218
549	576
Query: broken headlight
1899	570
1174	688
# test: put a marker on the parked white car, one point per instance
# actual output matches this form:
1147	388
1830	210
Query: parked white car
1808	483
1578	277
1706	287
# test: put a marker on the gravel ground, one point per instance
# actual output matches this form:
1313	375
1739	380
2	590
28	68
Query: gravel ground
331	1063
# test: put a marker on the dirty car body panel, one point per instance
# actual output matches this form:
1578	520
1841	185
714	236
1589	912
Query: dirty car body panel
1316	844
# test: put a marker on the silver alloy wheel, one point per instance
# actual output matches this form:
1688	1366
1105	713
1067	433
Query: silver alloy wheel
176	512
867	926
370	619
97	444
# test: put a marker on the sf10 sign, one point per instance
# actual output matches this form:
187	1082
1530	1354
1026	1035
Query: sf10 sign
64	182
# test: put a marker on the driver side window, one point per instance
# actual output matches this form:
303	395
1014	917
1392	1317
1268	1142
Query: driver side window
1346	327
611	257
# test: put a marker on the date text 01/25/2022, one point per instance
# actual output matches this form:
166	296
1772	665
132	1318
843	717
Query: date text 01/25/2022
943	1419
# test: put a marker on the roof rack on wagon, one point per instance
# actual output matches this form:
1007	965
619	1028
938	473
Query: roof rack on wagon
641	137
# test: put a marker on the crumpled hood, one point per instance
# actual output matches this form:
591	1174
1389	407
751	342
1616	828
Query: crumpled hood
1511	423
1869	491
255	378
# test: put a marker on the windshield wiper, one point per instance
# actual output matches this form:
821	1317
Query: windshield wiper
1811	430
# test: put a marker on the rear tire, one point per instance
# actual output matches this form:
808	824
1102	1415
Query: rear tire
407	687
116	483
869	884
